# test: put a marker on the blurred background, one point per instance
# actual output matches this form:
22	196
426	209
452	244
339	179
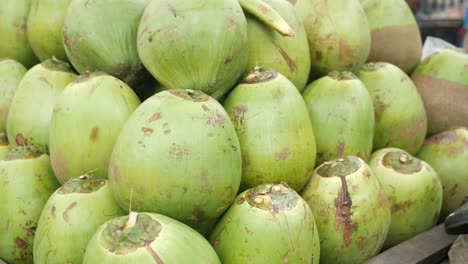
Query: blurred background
446	19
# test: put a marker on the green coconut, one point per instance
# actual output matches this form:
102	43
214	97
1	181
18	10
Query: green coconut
4	145
266	107
447	153
338	33
395	36
148	238
178	155
44	28
270	223
286	55
210	56
15	44
26	182
73	214
442	81
342	115
31	108
86	121
11	73
400	117
413	189
101	36
351	210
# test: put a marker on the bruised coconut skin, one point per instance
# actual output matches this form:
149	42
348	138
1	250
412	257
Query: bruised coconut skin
442	81
15	44
11	73
447	153
270	223
4	145
400	117
287	55
351	210
178	155
152	238
210	56
101	36
394	32
342	115
44	28
414	191
31	108
86	121
270	102
338	34
69	216
27	181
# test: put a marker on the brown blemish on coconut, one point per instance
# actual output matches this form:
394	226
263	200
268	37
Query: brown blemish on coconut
154	117
289	61
68	210
345	51
147	131
168	131
232	26
20	140
264	9
453	191
21	244
44	79
403	206
340	149
282	155
198	215
318	55
239	115
178	152
216	119
52	211
415	129
94	134
153	254
343	204
172	9
379	108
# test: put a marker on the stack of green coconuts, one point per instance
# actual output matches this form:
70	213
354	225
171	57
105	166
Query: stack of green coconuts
235	131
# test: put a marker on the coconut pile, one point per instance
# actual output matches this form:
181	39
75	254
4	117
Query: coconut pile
234	131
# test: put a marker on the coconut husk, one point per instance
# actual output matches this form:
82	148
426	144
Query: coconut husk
446	102
398	45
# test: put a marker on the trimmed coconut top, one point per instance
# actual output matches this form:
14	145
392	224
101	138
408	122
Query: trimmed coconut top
190	95
272	197
84	184
259	75
55	64
373	66
23	153
3	139
402	162
342	76
126	234
339	167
